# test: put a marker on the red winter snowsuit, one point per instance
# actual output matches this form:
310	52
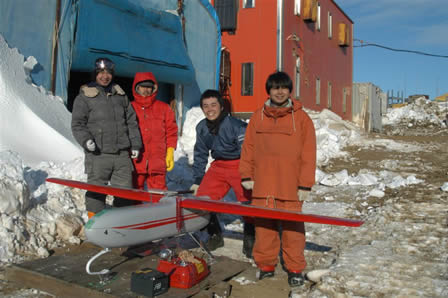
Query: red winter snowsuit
158	128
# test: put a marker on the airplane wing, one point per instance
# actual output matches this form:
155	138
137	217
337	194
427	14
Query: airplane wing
254	211
122	192
209	205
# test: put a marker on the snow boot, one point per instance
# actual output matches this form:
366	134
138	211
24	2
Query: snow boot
213	226
248	239
214	230
295	279
264	274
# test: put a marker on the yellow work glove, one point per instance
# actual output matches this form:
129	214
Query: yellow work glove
169	158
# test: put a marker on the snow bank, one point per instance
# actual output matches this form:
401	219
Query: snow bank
33	122
420	113
36	217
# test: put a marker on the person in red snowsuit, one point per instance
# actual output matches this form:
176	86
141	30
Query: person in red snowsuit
158	129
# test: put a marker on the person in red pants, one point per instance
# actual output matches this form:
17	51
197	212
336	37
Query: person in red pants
278	163
158	129
222	135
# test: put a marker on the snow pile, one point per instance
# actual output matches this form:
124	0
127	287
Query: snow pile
186	143
332	134
36	217
35	142
422	113
384	179
33	122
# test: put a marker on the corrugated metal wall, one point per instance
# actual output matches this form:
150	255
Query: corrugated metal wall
367	106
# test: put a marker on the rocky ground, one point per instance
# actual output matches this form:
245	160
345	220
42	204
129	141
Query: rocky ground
400	251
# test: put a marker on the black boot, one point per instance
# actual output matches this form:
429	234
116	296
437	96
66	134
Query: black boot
264	274
213	226
248	239
295	279
214	230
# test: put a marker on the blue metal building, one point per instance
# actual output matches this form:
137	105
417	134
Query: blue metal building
178	40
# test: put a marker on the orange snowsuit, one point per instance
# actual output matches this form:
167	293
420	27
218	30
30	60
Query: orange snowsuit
279	155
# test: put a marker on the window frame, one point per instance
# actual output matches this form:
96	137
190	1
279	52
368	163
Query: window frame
245	3
344	100
297	78
317	91
247	84
297	7
318	17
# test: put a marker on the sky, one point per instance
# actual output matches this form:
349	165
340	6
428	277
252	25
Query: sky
416	25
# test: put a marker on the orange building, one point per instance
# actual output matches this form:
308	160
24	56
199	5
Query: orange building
310	40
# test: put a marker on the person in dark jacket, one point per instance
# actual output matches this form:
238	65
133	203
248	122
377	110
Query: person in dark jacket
105	125
222	135
159	133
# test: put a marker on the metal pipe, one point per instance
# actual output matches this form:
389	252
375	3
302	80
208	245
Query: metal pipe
54	61
280	34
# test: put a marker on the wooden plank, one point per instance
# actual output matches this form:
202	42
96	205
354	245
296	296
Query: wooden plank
63	274
57	287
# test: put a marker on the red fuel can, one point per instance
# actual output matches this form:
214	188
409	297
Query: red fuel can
183	274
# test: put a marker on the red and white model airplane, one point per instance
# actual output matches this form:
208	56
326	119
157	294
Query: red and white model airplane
172	215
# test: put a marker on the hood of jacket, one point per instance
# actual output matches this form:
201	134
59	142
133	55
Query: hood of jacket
144	101
276	112
279	112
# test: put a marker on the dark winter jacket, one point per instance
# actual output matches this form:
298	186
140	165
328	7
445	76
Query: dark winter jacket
225	145
158	128
105	117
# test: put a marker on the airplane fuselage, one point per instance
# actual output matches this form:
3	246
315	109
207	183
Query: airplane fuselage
133	225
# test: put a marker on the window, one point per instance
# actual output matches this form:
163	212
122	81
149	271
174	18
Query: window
247	79
297	83
317	91
227	14
344	35
344	100
330	25
248	3
297	7
318	17
329	95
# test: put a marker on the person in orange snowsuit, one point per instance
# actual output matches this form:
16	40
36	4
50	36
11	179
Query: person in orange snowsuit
158	129
278	163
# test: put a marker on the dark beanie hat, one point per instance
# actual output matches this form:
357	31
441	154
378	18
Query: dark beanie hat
104	64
